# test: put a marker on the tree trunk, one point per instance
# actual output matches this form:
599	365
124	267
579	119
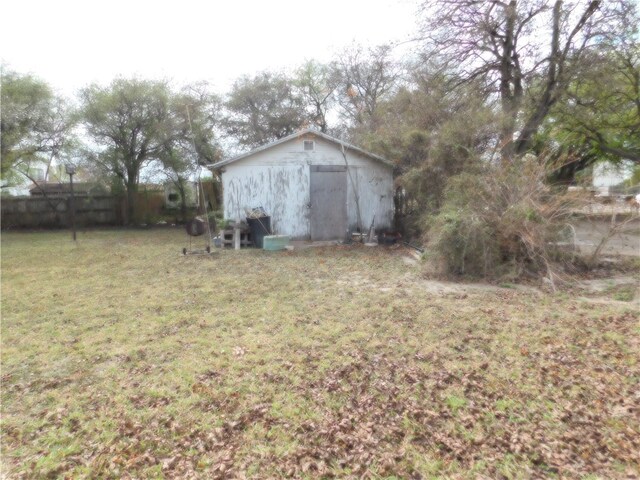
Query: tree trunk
510	85
180	184
132	190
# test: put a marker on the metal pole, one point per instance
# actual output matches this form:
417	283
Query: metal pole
72	208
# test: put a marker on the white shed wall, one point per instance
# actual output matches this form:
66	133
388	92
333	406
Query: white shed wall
606	174
277	179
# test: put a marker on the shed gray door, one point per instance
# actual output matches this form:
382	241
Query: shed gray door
328	202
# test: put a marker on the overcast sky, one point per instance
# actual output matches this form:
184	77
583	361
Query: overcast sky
71	43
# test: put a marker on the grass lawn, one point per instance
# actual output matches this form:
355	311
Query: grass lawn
123	359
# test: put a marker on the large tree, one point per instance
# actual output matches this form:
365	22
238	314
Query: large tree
605	115
364	77
317	85
134	122
264	108
196	117
35	127
526	51
432	132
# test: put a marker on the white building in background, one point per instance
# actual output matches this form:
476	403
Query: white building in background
606	175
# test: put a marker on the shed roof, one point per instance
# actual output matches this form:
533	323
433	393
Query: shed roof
302	133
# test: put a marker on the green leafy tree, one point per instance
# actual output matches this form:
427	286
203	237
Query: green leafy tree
605	115
264	108
364	78
196	116
127	122
132	123
433	132
317	86
36	127
526	52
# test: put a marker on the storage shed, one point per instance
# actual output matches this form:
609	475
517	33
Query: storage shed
311	185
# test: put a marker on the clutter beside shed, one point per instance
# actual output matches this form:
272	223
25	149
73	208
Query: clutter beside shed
259	225
253	231
235	233
199	225
275	242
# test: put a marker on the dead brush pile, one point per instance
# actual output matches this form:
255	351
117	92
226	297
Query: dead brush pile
504	223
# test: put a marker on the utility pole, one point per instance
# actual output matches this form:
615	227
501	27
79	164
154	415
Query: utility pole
71	170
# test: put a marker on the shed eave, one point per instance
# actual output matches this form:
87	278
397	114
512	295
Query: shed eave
308	131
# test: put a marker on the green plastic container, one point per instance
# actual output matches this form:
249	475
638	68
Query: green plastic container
275	242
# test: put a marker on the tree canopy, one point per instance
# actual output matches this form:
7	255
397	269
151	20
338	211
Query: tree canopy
133	122
35	124
605	118
264	108
317	85
527	52
364	77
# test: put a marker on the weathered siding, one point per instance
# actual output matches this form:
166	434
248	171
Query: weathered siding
374	182
277	179
283	191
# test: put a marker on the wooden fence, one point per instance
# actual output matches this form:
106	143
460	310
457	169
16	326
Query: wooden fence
53	212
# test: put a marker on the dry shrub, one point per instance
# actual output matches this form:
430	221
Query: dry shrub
502	222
